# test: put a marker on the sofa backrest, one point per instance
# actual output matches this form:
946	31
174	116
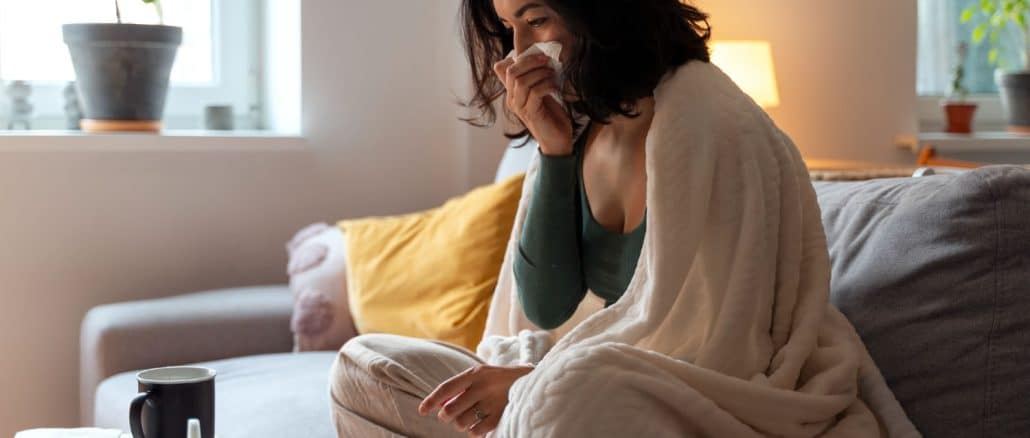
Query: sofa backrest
934	273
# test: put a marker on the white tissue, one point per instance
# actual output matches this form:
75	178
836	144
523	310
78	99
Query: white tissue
553	50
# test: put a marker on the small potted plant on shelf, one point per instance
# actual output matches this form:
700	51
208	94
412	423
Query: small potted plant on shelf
122	71
958	112
1005	25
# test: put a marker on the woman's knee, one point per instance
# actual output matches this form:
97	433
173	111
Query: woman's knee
368	343
352	371
411	365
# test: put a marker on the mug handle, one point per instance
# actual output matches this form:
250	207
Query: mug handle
136	413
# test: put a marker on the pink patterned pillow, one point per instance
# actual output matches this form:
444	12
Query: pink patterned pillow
318	279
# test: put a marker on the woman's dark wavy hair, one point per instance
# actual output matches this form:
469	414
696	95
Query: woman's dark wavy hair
621	50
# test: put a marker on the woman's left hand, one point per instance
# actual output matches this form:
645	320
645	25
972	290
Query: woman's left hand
482	389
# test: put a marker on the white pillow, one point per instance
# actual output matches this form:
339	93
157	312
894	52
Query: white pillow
515	160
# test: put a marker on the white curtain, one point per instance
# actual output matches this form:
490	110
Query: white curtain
938	36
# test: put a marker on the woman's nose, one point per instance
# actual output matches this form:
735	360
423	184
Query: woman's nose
522	42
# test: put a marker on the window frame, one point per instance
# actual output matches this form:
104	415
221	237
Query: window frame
236	76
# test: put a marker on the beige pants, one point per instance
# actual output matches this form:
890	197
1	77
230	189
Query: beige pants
378	381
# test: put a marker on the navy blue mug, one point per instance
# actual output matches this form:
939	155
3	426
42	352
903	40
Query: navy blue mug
168	398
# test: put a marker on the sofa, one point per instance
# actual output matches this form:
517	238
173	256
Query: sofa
934	272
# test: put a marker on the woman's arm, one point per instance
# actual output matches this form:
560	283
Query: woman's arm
547	267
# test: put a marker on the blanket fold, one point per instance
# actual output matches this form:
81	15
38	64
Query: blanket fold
726	327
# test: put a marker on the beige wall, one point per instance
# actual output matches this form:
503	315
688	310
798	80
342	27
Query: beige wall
846	70
378	105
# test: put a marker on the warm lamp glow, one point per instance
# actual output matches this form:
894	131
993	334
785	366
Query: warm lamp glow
750	65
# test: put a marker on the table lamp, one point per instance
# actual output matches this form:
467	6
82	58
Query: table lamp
750	65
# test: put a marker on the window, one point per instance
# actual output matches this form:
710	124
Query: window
46	59
940	33
218	62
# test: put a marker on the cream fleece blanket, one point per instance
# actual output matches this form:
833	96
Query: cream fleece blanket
725	329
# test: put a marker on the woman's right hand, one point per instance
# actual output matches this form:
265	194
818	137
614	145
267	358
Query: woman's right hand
530	83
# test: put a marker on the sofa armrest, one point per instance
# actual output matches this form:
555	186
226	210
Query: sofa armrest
178	330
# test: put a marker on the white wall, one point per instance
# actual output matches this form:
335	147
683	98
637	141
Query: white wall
846	70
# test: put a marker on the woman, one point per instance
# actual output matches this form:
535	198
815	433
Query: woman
667	274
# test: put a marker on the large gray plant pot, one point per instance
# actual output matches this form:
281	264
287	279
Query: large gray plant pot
122	71
1015	97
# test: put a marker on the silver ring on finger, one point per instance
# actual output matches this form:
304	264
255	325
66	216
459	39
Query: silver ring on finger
480	416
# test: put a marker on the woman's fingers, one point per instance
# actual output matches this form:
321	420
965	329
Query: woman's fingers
523	88
501	69
459	405
526	81
465	420
486	426
507	70
541	90
526	65
526	89
447	390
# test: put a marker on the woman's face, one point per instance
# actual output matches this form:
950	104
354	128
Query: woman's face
531	22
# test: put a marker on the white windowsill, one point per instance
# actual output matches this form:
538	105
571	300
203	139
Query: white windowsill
976	142
166	141
989	143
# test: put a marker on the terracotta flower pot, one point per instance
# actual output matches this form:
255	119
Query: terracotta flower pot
960	117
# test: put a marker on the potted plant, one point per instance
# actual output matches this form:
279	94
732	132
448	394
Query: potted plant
1005	24
958	112
122	71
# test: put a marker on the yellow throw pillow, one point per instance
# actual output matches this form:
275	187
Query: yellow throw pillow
431	274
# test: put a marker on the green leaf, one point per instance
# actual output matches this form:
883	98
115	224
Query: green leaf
992	56
998	20
967	14
979	33
988	6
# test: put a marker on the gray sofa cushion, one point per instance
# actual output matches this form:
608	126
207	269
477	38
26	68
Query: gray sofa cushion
275	395
934	273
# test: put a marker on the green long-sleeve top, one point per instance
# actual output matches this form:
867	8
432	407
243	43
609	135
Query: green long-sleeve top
564	251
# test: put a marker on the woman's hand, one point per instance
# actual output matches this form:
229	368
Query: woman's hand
482	389
530	83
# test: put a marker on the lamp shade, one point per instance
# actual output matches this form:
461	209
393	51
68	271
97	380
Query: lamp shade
750	65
